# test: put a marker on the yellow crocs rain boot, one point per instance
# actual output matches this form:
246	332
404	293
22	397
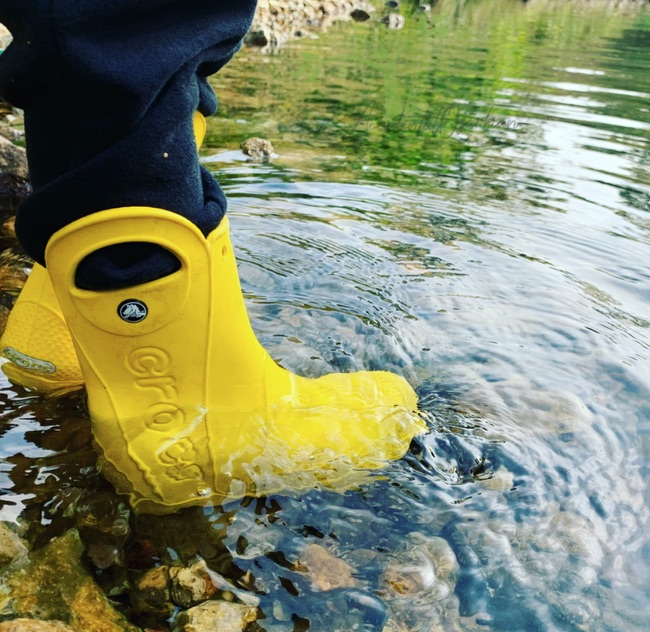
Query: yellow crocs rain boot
186	405
200	127
37	342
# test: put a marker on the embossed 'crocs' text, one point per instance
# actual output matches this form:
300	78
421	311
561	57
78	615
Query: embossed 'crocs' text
27	362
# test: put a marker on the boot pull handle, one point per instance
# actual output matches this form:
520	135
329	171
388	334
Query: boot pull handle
73	243
139	309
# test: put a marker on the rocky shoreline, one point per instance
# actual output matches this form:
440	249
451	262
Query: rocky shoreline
278	21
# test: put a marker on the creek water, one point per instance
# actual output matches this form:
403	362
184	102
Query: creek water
466	202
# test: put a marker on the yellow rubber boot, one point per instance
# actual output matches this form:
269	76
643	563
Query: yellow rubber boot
200	127
186	404
37	342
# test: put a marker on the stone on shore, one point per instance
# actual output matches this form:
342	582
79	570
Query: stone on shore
257	149
14	175
277	21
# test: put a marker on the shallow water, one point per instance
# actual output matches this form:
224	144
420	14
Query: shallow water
464	202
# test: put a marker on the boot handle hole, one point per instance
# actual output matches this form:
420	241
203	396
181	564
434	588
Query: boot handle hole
124	265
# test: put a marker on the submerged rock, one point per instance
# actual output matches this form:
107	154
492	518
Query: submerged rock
501	481
325	570
215	615
34	625
420	583
428	566
192	585
54	584
395	626
158	592
11	546
103	522
151	593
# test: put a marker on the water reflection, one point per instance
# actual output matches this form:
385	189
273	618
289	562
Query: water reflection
48	463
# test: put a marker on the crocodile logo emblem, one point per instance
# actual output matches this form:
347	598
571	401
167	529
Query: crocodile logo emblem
132	310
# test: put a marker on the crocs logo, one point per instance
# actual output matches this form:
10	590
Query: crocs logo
180	459
152	369
132	310
27	362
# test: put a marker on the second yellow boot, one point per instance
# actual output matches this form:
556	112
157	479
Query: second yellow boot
186	405
37	342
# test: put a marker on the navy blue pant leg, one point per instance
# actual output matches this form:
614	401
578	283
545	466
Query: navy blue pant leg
109	88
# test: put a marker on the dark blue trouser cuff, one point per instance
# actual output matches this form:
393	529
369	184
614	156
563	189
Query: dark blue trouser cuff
109	88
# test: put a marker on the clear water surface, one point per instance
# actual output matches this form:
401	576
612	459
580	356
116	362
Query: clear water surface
466	202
